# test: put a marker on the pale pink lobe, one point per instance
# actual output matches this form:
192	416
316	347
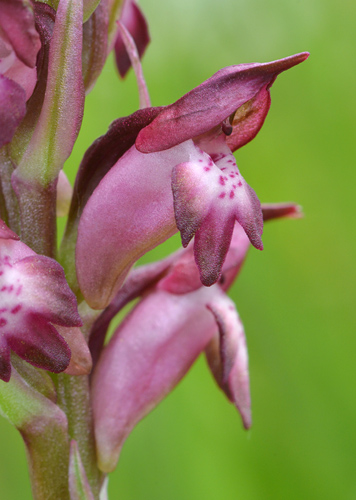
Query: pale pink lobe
80	360
227	356
128	214
135	23
212	102
6	233
147	356
208	198
18	27
64	195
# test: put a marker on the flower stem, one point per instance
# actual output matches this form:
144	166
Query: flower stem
73	398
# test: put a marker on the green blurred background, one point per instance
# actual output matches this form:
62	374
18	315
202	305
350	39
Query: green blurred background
296	298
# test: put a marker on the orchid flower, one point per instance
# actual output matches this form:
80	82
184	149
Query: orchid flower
19	45
39	319
179	175
181	318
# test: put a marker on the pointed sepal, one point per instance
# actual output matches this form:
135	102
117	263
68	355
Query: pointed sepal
227	356
200	110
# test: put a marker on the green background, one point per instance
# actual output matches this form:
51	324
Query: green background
296	298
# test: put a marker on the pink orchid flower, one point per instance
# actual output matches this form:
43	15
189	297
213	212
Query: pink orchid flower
179	174
181	319
39	319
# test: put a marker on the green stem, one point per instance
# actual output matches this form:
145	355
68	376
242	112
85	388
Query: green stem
47	449
73	398
38	214
43	426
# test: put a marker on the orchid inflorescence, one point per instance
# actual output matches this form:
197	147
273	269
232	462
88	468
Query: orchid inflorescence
156	172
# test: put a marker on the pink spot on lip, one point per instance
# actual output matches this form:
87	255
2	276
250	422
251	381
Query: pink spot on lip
3	309
232	194
16	309
3	288
221	180
3	322
222	195
18	291
240	184
207	169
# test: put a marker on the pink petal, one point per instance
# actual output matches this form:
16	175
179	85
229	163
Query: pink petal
136	284
135	22
23	75
146	358
18	26
211	244
183	275
45	290
209	104
104	153
208	198
129	213
39	343
228	357
248	119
